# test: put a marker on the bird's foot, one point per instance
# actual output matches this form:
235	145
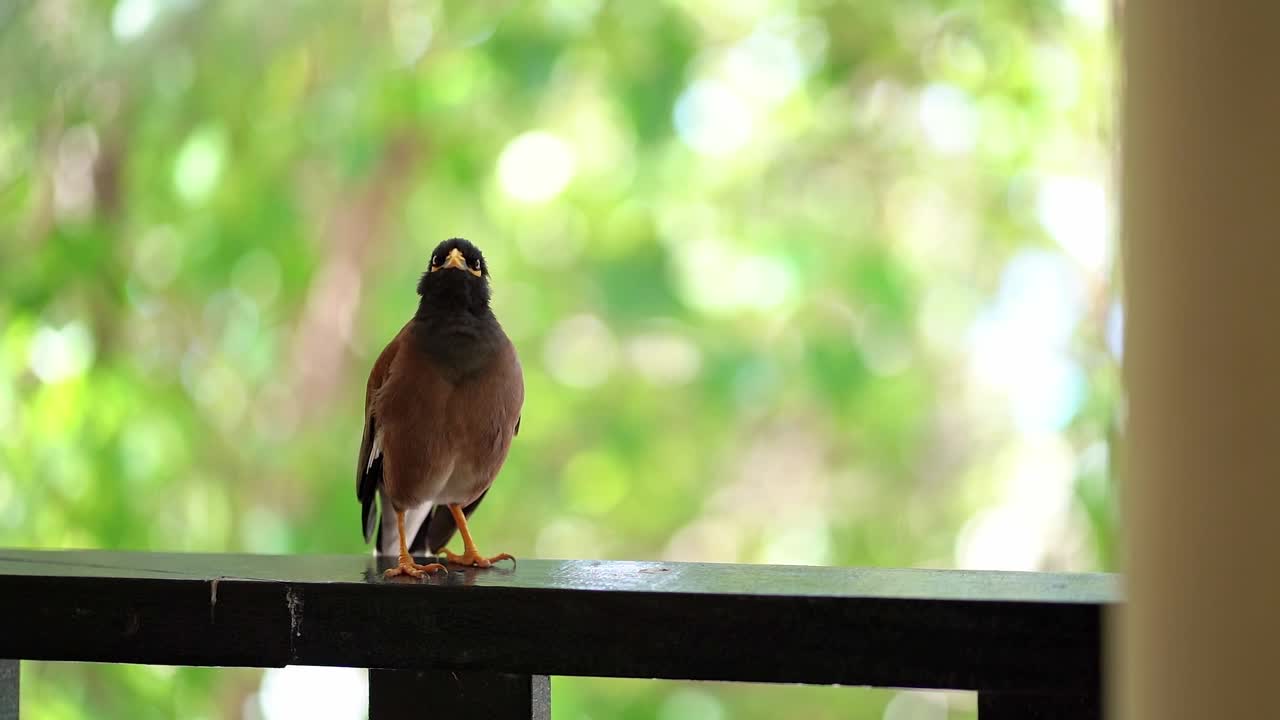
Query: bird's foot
472	558
408	567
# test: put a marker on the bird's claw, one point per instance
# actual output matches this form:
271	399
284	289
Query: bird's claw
408	567
471	558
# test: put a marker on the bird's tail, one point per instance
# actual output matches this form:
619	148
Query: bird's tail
388	537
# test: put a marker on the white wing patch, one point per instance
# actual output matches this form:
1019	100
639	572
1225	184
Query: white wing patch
376	452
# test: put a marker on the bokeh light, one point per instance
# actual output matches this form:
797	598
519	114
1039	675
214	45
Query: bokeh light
535	167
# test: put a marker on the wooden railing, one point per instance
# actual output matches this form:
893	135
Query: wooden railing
482	644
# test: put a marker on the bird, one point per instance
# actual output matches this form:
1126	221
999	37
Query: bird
443	402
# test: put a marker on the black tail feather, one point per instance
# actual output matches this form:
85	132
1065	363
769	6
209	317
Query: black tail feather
419	544
368	501
440	527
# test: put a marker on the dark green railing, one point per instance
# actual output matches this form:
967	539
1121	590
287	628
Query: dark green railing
483	643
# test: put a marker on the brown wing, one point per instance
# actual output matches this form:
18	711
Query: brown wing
369	474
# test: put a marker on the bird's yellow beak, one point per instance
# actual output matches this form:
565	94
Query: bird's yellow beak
455	260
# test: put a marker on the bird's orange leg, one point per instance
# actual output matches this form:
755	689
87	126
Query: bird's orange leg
470	555
407	566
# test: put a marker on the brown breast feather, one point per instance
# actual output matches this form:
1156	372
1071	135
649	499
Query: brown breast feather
434	425
482	417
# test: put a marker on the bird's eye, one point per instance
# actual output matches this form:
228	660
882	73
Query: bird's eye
435	261
476	263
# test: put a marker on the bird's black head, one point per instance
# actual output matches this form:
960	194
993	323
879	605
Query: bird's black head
456	279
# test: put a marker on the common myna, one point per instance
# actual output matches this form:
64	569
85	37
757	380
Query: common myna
442	405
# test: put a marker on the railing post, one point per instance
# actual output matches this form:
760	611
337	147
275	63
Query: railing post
8	689
1200	356
457	695
1035	706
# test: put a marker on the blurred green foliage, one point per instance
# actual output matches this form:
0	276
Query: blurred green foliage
796	281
